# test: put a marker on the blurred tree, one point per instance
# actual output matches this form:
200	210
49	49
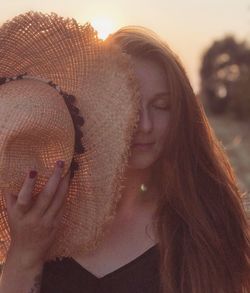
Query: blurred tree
225	76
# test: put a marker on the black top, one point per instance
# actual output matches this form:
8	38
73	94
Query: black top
141	275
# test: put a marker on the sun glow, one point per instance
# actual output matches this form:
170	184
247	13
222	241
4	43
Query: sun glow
104	26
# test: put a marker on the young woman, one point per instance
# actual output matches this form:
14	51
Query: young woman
180	225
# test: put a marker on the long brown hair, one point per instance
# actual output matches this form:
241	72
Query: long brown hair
201	225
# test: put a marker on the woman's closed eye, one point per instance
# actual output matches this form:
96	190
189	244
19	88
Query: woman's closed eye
162	105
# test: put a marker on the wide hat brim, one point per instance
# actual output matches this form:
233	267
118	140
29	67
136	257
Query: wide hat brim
102	79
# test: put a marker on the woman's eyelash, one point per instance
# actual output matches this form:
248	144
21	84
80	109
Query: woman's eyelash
166	107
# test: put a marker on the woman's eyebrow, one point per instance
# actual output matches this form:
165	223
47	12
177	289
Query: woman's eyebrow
161	95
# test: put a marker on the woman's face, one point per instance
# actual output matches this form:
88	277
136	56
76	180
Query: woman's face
151	133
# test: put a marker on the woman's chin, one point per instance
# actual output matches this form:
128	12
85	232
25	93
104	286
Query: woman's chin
140	163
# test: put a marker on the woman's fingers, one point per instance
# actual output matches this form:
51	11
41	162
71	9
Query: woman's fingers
24	198
59	199
46	196
48	203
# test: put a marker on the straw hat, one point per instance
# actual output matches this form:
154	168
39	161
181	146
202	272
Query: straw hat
37	126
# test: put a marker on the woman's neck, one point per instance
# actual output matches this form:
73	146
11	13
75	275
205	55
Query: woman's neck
132	195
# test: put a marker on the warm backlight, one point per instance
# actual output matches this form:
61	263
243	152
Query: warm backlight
104	26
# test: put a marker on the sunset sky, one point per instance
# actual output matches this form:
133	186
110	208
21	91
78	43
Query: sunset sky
189	26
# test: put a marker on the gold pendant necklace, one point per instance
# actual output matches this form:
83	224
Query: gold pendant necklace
143	187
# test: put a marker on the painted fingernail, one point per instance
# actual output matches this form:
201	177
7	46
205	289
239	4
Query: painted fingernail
32	174
60	164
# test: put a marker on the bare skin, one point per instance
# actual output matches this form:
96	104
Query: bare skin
33	224
130	234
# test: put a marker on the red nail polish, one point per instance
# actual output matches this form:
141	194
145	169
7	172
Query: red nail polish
60	164
33	174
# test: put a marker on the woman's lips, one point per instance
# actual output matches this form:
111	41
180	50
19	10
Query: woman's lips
143	146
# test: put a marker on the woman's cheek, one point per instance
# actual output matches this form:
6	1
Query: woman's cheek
161	128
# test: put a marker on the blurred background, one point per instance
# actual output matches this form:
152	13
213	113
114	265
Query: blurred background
211	38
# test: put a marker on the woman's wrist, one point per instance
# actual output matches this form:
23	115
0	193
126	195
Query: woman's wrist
23	261
20	276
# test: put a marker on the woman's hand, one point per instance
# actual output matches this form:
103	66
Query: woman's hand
33	222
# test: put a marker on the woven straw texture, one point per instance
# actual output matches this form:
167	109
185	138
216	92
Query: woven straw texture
102	79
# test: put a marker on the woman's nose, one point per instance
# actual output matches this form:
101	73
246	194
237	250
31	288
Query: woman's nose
145	121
